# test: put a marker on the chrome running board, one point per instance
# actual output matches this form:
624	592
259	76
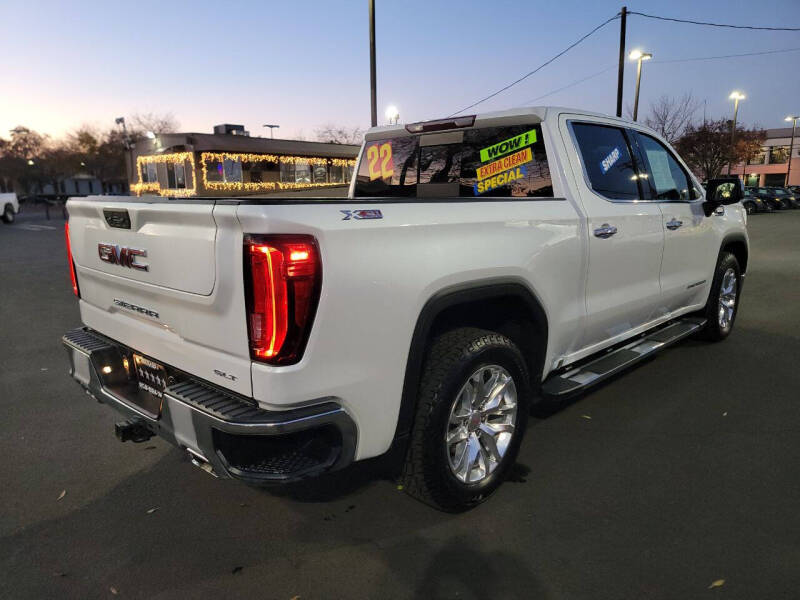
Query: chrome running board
596	369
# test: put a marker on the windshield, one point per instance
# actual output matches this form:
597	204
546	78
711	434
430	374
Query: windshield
491	161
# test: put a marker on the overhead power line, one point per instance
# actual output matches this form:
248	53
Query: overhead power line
537	69
657	62
690	22
679	60
569	85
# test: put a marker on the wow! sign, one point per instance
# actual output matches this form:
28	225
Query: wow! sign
510	145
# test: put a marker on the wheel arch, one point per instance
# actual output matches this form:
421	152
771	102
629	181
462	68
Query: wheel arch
504	305
737	245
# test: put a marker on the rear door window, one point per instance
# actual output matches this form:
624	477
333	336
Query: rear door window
607	161
490	161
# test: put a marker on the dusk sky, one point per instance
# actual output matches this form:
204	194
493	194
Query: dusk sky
302	65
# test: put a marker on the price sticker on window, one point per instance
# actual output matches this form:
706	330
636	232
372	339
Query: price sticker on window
380	161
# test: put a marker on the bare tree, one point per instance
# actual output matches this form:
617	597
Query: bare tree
333	134
157	123
671	116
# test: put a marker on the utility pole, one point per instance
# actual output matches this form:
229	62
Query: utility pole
793	119
372	91
620	75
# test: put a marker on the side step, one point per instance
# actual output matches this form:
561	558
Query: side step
594	371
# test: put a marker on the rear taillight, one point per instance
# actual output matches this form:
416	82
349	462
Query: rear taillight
283	274
72	276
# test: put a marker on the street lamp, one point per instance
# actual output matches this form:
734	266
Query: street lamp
638	56
735	96
392	114
793	119
271	129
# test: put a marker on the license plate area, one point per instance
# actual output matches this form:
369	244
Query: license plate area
151	380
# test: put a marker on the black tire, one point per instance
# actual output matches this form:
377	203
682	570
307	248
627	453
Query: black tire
8	214
715	330
452	359
749	207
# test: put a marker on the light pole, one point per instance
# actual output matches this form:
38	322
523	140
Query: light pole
373	93
128	145
392	114
793	119
638	56
735	96
271	129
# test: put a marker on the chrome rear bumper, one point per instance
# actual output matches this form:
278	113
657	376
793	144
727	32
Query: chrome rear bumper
226	434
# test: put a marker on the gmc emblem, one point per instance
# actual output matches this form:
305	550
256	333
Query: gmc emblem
124	257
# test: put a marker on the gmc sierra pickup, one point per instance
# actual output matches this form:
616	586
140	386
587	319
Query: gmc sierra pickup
481	267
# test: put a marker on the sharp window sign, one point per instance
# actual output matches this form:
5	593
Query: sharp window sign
124	257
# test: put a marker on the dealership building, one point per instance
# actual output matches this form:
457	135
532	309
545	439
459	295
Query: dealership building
770	165
230	162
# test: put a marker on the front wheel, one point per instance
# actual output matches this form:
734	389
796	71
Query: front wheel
471	416
750	208
723	300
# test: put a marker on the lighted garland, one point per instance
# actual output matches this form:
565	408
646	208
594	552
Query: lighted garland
143	187
343	162
262	186
154	187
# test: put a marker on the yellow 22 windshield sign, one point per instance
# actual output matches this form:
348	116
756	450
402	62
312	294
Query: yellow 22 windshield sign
380	161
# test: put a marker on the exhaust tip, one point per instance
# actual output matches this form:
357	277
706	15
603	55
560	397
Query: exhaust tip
200	461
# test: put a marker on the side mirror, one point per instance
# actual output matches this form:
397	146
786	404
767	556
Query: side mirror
725	190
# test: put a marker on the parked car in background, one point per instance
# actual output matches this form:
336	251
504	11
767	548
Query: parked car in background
768	196
10	207
787	196
795	189
753	203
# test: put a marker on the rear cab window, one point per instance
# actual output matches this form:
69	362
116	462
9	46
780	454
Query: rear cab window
506	162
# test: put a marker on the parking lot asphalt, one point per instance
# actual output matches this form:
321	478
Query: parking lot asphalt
679	479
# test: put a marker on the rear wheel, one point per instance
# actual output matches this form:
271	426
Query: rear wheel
723	300
8	214
471	416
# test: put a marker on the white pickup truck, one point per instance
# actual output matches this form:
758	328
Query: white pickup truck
481	267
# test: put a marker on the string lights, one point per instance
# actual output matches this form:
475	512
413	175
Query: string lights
263	186
180	158
175	158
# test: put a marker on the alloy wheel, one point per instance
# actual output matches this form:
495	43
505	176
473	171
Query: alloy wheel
481	423
727	298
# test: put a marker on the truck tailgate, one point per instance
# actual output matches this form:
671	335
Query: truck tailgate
165	278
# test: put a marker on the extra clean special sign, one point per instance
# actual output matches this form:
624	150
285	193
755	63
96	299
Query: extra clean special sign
504	164
507	162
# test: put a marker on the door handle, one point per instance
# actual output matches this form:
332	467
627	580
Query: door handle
605	231
674	224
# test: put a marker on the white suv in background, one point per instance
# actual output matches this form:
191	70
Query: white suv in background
9	205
